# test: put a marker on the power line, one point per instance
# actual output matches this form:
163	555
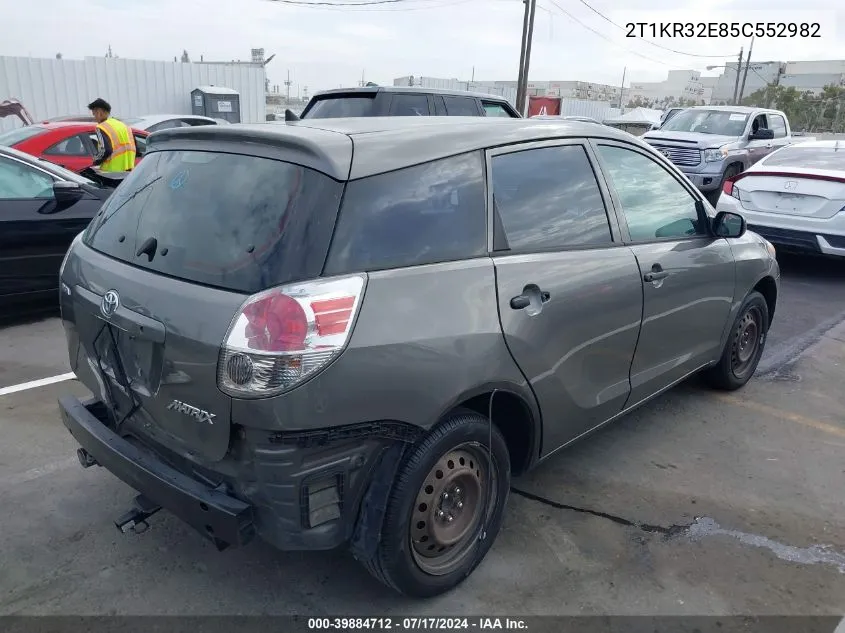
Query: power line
607	39
655	44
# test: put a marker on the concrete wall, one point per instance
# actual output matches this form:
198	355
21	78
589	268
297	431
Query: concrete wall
133	87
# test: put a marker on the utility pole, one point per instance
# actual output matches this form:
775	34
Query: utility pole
528	53
287	88
622	89
736	83
520	97
745	74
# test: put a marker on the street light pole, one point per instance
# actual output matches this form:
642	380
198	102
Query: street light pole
736	83
528	52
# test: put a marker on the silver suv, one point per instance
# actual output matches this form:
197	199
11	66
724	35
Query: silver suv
353	332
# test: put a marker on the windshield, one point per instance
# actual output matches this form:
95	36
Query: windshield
19	135
831	158
232	221
340	107
720	122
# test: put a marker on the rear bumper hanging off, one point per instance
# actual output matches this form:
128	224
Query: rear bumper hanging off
225	520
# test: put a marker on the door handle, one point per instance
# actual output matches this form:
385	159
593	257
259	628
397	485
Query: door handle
655	276
520	302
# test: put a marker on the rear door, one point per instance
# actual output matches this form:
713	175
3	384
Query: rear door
778	125
570	297
687	275
178	248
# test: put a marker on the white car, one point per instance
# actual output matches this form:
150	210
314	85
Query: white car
794	197
155	122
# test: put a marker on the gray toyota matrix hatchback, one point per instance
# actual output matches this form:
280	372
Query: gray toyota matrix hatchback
352	332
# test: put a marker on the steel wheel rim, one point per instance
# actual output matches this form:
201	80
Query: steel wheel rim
439	544
746	341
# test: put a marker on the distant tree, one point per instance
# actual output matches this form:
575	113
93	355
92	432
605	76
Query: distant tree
58	55
185	57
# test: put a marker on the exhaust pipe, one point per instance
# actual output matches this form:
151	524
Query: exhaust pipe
85	458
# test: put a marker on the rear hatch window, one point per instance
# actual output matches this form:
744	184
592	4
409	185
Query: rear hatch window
231	221
341	106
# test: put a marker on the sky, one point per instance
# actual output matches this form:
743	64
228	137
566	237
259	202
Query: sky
331	46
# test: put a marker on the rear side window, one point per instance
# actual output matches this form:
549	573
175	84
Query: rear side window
549	198
341	107
232	221
419	215
460	106
409	105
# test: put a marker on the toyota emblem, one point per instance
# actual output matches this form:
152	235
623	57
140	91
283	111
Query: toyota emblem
110	303
789	185
665	152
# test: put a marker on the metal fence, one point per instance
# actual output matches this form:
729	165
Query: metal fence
134	87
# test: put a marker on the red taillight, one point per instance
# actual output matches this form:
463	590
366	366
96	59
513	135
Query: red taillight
728	187
282	336
276	323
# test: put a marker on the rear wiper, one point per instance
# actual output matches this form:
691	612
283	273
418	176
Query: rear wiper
122	204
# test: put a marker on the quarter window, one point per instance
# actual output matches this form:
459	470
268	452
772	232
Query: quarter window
495	109
654	203
418	215
548	199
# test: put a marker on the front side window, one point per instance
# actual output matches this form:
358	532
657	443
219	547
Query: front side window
655	204
21	182
409	105
548	198
425	214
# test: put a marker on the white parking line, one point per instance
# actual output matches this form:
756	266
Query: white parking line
34	384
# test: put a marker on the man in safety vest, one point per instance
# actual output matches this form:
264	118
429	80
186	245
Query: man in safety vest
116	150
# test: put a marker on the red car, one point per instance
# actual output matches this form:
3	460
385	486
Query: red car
70	144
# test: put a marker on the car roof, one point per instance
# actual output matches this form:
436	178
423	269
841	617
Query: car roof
406	89
381	144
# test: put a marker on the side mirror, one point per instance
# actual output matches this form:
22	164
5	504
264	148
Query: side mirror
762	135
67	193
727	224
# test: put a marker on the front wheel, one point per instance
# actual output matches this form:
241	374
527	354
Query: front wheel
744	346
445	509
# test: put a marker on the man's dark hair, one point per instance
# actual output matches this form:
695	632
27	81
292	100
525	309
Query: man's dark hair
100	103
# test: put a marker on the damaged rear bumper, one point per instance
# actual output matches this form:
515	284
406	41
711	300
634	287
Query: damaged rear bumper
222	518
294	490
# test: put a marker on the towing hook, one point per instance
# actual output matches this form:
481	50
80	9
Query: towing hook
85	458
135	520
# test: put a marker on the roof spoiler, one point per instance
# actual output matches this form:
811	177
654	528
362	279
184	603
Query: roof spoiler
290	116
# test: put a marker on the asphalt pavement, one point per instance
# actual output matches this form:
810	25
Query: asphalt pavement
700	503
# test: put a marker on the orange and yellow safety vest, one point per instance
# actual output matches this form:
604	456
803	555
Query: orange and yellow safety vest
122	146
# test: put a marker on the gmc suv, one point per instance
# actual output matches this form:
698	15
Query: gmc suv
353	332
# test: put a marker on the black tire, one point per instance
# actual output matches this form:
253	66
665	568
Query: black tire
738	363
730	172
395	562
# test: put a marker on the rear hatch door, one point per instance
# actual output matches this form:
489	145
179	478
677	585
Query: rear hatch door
165	266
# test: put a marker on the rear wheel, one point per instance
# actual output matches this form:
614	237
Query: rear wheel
445	509
744	346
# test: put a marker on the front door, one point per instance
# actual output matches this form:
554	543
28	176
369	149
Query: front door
759	148
570	297
687	274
